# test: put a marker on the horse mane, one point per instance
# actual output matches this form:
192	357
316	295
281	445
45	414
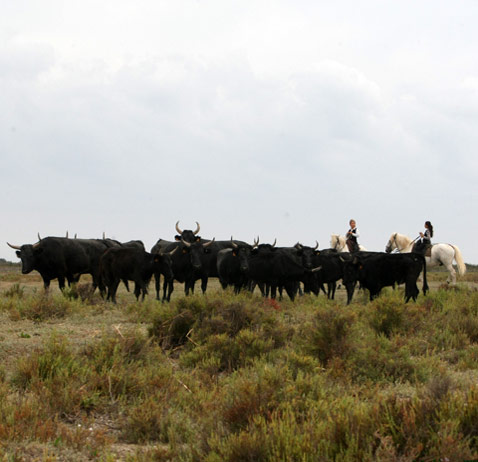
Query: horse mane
403	239
338	237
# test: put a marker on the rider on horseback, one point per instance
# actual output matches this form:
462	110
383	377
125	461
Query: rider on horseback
351	237
424	242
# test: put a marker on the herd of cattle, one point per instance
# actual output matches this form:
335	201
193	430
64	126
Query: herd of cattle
190	258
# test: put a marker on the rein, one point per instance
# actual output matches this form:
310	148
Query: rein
396	243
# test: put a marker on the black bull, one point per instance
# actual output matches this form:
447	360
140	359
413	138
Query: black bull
62	258
132	264
375	270
192	261
281	267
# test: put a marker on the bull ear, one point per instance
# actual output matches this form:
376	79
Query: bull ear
234	252
198	238
18	253
177	237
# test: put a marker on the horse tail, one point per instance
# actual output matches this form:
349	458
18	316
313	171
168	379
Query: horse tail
459	261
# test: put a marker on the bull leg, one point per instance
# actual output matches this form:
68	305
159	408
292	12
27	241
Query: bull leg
61	282
168	287
291	290
157	285
189	286
137	290
113	288
144	290
204	284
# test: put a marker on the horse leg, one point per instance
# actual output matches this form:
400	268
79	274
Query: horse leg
452	277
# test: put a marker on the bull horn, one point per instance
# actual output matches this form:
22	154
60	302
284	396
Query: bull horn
34	246
177	228
275	240
39	238
316	245
256	242
16	247
234	244
187	244
207	244
197	229
75	235
104	236
298	246
174	250
67	234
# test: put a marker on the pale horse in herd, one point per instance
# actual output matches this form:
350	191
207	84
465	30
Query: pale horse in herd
441	254
337	242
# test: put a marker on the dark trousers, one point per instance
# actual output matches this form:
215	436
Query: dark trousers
352	245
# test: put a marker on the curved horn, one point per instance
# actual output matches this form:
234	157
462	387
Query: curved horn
273	245
187	244
174	250
177	228
234	245
16	247
316	245
104	236
197	229
298	246
207	244
256	242
39	238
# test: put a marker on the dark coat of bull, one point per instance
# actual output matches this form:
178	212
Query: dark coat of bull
189	263
131	264
233	266
277	267
62	258
330	268
196	259
375	270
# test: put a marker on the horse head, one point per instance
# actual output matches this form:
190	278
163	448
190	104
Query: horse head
392	243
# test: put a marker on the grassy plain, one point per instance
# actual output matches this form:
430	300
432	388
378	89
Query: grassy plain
237	378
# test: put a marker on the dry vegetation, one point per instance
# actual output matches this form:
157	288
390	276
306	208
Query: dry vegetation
237	378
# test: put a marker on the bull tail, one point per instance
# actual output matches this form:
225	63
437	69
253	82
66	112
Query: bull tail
459	261
425	287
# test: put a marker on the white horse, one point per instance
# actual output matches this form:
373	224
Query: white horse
337	243
442	254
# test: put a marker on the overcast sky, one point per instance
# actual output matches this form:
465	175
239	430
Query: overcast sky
277	119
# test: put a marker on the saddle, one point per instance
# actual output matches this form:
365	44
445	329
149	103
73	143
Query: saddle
428	250
423	249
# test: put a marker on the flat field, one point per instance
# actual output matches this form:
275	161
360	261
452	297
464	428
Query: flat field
237	378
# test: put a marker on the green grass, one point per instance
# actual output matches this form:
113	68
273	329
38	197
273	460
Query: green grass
238	378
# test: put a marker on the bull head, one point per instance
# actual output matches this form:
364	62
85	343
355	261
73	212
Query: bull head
194	232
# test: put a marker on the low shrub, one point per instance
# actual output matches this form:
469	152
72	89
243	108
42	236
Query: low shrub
328	334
